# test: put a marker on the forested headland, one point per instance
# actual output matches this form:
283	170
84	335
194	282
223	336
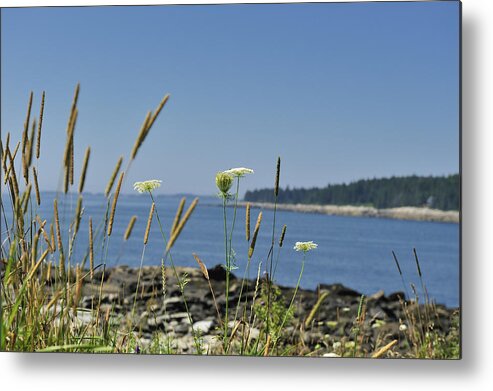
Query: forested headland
438	192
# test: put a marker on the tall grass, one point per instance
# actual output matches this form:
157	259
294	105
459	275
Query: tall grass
42	280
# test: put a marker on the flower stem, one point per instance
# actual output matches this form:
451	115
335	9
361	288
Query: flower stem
178	279
291	302
271	256
225	337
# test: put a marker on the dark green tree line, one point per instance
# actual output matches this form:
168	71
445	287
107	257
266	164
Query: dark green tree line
439	192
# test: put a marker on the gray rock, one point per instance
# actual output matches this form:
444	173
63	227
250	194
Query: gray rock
203	326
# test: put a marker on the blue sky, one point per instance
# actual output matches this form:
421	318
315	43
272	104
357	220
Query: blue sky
339	91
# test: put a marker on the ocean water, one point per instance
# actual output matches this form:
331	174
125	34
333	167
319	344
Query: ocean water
354	251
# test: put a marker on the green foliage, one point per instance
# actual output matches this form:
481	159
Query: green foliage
439	346
161	344
278	309
436	192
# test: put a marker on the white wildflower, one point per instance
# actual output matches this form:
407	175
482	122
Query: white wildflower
147	186
239	171
305	246
403	327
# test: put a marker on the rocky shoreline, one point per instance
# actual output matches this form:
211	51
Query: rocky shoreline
324	320
401	213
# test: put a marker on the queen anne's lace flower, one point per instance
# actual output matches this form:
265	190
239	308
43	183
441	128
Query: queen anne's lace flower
147	186
305	246
239	171
224	182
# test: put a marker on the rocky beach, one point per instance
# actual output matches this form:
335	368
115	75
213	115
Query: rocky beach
325	321
401	213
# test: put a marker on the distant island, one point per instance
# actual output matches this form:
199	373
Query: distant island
434	192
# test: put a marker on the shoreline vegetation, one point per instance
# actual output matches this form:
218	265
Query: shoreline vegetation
400	213
54	300
330	321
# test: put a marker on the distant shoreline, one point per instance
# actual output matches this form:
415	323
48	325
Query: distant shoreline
401	213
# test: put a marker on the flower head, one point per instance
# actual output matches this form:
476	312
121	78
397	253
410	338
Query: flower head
147	186
224	182
305	246
239	171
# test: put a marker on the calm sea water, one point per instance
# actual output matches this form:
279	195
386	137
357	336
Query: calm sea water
354	251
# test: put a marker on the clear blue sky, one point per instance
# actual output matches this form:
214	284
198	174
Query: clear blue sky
339	91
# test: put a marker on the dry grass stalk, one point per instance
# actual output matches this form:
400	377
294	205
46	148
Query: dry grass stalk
278	173
267	346
130	227
254	237
91	249
141	136
384	350
11	161
25	168
25	198
84	169
6	170
41	224
12	191
36	186
68	143
397	262
78	214
48	272
30	144
73	110
34	248
71	173
179	211
13	175
68	156
109	186
417	263
158	110
26	122
78	287
182	223
283	234
146	127
59	238
4	157
20	219
163	280
17	146
203	268
52	238
113	206
66	182
76	97
44	233
247	222
27	154
40	125
4	151
69	146
315	308
14	185
149	221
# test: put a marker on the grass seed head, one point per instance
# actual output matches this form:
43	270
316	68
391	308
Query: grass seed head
255	234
